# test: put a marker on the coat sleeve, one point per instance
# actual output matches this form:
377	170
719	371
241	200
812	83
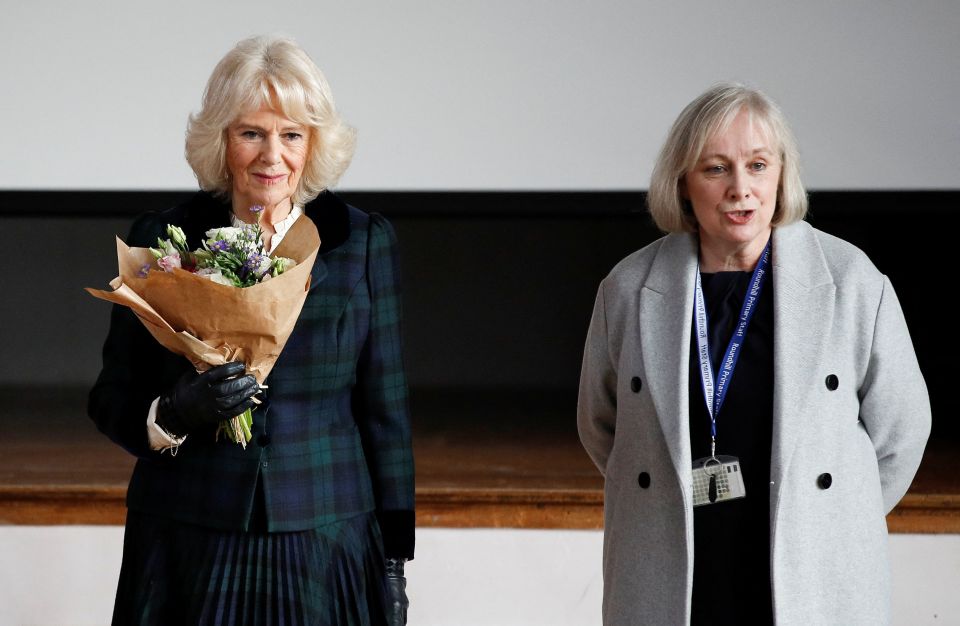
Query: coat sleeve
381	398
597	404
894	405
120	399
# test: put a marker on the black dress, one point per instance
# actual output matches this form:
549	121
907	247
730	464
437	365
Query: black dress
731	572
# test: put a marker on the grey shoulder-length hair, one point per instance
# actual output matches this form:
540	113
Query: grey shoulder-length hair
275	72
709	114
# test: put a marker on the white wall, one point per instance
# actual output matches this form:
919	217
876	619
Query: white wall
447	94
67	575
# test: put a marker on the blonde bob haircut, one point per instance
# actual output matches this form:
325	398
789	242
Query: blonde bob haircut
277	73
704	118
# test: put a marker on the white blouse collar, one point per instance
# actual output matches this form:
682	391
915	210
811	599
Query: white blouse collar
280	227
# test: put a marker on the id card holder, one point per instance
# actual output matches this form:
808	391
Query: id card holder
717	479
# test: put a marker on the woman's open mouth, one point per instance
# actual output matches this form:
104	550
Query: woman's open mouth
739	217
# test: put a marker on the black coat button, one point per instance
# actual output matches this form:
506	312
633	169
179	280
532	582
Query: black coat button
636	384
832	382
643	480
263	441
824	480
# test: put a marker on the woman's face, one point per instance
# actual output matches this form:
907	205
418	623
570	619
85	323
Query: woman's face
266	153
733	189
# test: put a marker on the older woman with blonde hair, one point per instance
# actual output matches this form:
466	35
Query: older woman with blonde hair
749	392
312	521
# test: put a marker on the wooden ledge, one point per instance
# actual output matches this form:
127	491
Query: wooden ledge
509	508
483	460
437	508
62	504
445	508
926	514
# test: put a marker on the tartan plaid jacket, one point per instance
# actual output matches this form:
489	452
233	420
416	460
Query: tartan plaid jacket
332	438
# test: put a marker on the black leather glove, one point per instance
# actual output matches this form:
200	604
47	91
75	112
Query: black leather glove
397	601
202	400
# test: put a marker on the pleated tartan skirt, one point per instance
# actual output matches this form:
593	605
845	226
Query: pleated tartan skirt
175	573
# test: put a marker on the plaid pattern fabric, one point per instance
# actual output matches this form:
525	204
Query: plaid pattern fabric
332	439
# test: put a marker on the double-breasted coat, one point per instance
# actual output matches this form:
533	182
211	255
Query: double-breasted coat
851	417
332	439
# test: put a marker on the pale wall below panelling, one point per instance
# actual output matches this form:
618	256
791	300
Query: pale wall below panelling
478	577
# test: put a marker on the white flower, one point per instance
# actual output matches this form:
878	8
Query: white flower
282	264
169	249
177	236
215	275
265	264
224	233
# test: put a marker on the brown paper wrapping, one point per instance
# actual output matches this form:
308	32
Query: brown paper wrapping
212	324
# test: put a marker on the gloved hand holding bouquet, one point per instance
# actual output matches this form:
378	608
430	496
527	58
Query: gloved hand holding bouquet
224	302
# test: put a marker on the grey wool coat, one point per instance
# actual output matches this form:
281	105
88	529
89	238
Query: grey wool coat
835	315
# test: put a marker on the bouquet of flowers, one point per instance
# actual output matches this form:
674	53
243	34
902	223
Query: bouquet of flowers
230	255
227	301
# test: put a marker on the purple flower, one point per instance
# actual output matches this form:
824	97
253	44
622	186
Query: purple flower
257	265
256	209
221	245
144	270
252	263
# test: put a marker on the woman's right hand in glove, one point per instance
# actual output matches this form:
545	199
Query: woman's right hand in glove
206	399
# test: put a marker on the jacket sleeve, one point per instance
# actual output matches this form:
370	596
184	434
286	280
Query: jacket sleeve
129	380
597	404
380	398
894	405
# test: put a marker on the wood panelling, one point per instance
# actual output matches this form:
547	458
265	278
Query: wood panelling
494	460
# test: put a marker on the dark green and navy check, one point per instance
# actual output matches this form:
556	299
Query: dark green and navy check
332	440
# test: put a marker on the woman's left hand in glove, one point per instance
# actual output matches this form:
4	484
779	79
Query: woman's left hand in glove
397	601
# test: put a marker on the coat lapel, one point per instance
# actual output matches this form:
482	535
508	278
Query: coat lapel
665	316
331	217
803	304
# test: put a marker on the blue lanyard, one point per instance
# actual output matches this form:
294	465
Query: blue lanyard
715	395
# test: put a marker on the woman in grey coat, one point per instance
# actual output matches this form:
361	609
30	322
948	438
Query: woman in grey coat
749	392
